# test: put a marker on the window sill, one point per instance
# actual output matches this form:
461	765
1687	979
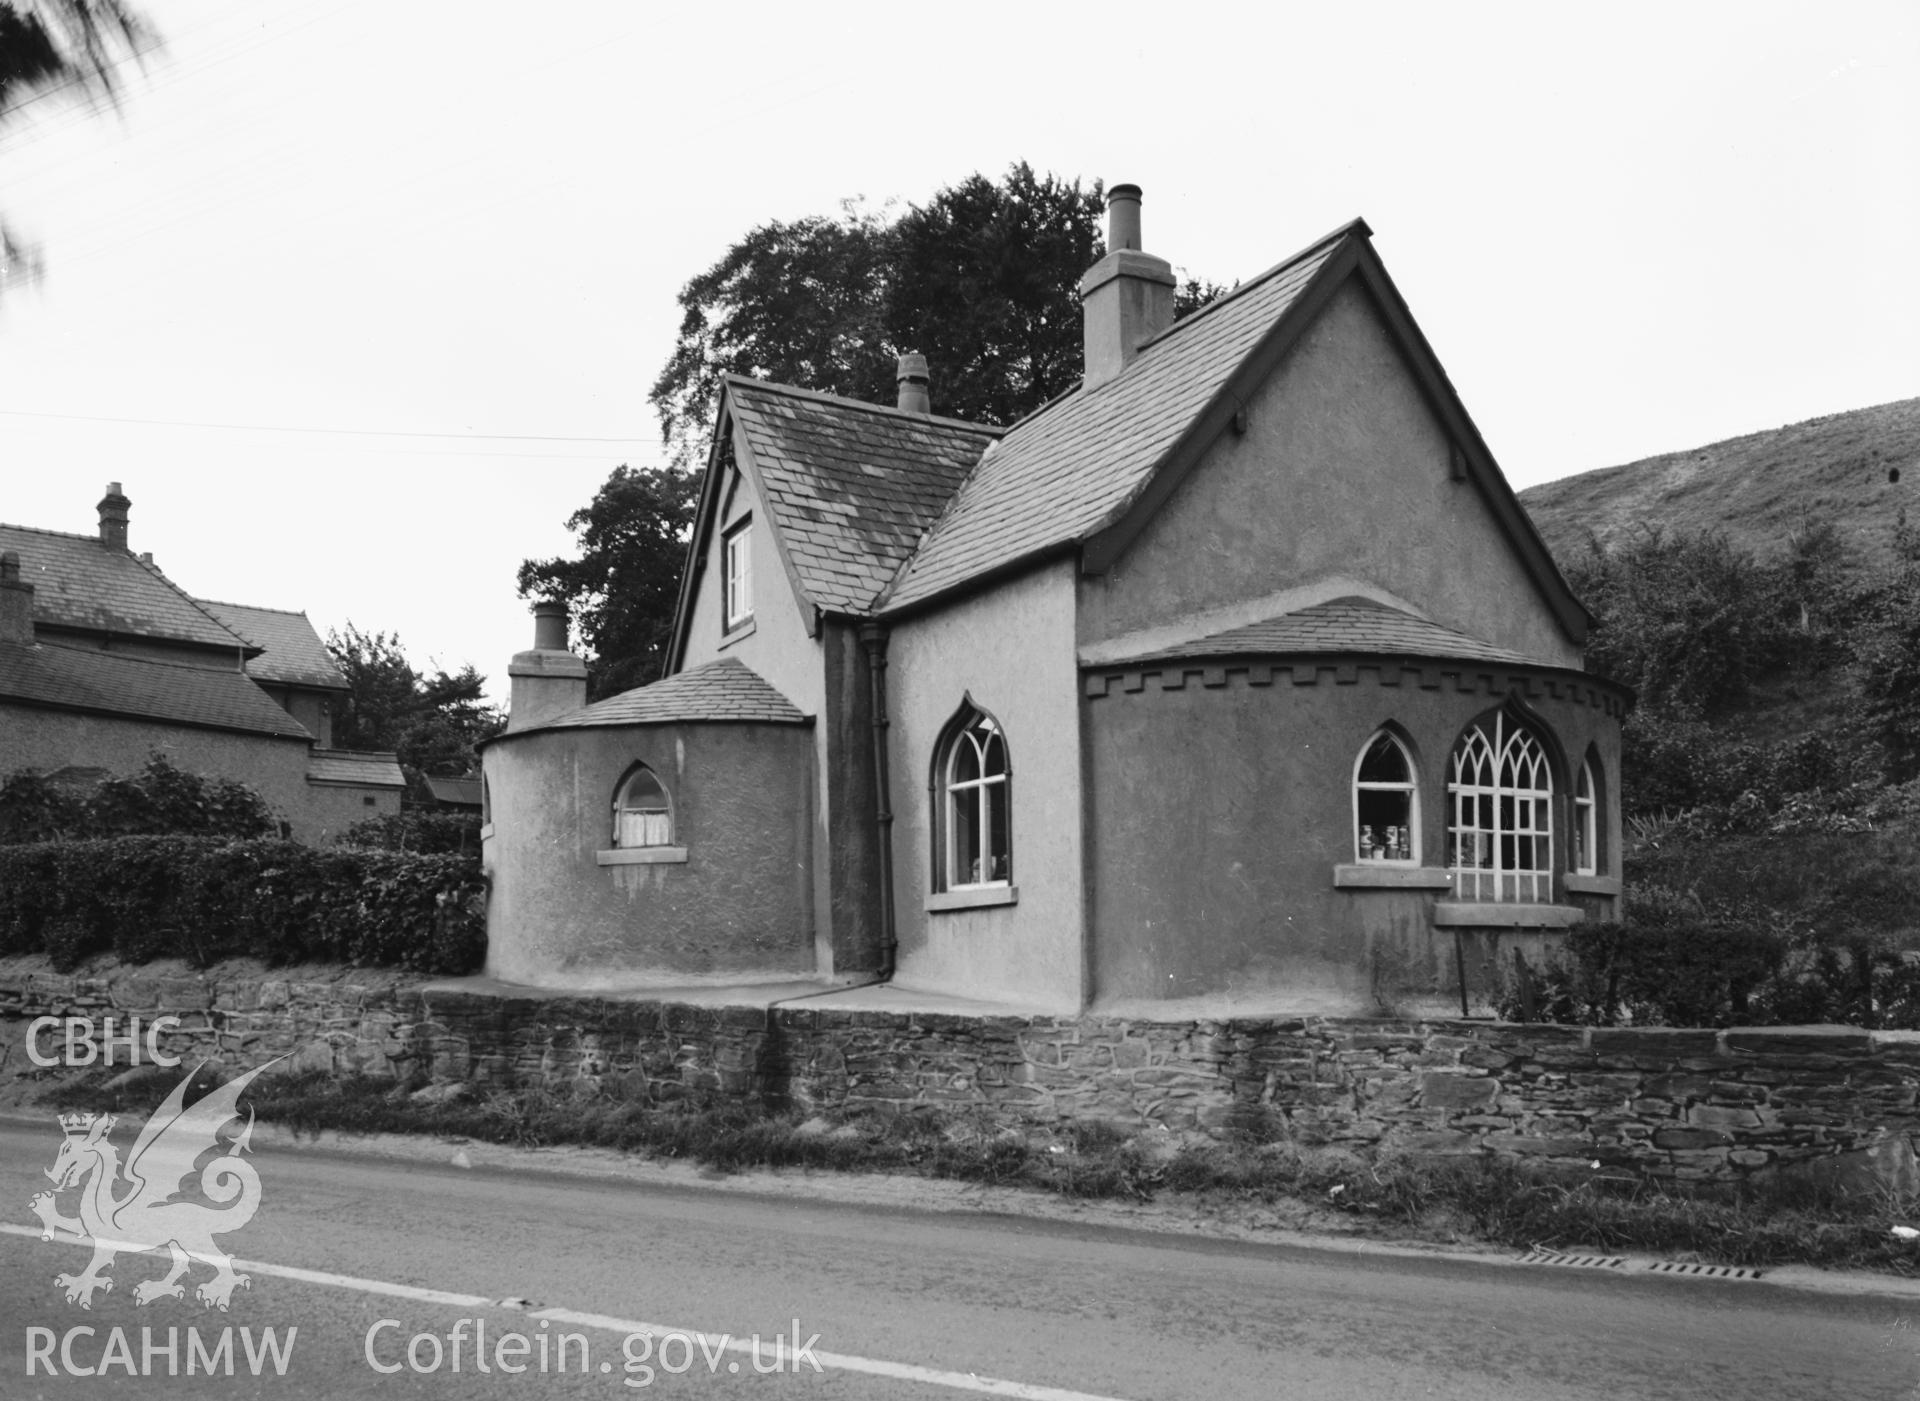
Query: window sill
1390	875
486	831
973	898
739	632
642	856
1492	914
1594	885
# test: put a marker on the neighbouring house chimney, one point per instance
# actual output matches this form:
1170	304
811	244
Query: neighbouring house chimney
16	603
549	680
113	518
912	376
1127	297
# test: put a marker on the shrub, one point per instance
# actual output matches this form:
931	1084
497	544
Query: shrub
430	832
202	898
160	800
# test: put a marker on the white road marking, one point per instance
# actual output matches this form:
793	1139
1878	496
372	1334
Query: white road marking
845	1362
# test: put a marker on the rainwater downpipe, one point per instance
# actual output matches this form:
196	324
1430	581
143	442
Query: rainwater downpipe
873	636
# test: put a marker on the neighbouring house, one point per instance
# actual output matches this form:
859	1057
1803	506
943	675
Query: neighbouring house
105	660
1235	678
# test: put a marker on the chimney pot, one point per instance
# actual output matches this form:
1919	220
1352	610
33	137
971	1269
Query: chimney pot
113	509
913	379
16	603
1123	218
549	627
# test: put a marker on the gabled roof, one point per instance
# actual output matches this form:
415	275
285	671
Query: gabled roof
355	768
724	690
1066	472
1340	626
82	584
1091	468
293	654
112	683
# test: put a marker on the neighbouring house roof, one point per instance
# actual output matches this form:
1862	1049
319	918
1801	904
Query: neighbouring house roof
80	583
1340	626
293	653
355	768
462	792
1065	472
851	486
724	690
112	683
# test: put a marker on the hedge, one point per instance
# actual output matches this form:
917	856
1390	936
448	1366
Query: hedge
205	898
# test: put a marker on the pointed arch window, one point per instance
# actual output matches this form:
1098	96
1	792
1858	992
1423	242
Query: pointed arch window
973	805
642	811
1500	834
1386	808
1586	827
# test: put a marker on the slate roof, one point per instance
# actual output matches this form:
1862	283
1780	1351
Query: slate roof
109	682
464	791
361	768
80	583
1063	473
294	654
1339	626
722	690
851	486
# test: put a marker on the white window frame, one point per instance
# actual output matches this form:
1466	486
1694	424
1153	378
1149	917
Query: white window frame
1586	825
1411	788
651	834
951	791
1488	819
736	568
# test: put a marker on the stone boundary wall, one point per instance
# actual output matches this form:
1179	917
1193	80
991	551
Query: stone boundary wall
1656	1102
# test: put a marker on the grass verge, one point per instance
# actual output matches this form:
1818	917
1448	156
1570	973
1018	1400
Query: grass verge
1779	1221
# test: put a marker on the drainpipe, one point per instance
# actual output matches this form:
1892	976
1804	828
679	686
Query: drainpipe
873	636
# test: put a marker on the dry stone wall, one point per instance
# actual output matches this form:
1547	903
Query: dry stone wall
1656	1102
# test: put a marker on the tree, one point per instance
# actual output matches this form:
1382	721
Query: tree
621	591
68	48
431	722
983	279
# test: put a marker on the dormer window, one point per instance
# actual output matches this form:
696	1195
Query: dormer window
737	562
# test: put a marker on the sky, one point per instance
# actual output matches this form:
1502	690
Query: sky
360	300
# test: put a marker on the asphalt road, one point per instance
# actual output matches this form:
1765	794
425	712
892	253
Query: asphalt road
984	1304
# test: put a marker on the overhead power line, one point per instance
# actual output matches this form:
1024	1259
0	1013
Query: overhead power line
342	432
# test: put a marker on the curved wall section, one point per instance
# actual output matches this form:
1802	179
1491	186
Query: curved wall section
1222	810
729	900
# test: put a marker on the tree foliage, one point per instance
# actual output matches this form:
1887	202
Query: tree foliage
160	800
983	279
431	721
71	48
621	591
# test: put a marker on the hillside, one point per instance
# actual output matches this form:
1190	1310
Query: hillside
1855	469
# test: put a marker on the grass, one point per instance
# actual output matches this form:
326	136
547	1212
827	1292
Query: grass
1484	1200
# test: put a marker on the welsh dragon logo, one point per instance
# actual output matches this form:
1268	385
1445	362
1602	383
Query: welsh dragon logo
140	1214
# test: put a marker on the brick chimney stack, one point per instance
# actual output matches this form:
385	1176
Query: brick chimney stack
547	681
16	603
113	518
912	377
1127	297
